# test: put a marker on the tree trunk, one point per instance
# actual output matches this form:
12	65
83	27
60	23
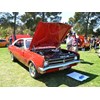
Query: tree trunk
88	14
15	27
43	16
15	14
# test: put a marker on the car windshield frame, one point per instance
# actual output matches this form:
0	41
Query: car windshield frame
27	43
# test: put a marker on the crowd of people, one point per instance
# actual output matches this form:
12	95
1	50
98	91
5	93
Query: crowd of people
73	40
94	42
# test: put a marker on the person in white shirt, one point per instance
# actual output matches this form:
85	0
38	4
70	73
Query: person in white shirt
72	42
69	41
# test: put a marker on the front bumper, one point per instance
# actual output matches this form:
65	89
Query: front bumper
43	70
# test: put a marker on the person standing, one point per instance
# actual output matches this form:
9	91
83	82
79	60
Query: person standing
75	42
10	40
92	42
96	44
69	41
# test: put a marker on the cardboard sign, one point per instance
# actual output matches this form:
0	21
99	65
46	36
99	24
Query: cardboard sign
77	76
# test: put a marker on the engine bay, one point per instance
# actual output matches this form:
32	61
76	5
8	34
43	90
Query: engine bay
55	53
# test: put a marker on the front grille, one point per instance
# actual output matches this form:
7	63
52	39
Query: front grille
60	60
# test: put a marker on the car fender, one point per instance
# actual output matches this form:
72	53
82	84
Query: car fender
37	60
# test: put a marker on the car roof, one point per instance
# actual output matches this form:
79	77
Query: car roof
22	39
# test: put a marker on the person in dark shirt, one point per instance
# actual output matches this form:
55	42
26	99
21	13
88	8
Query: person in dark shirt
92	42
75	42
10	39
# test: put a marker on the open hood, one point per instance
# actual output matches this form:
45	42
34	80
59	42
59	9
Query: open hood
49	34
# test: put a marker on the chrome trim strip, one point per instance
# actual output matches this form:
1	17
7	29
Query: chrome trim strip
61	58
58	61
59	65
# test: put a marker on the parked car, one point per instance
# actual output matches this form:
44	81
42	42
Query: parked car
11	38
42	53
83	42
3	43
20	36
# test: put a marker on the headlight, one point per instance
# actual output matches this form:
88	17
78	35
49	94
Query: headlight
75	58
45	63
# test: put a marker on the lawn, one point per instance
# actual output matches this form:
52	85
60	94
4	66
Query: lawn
15	74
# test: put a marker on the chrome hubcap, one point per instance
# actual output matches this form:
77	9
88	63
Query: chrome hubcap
32	70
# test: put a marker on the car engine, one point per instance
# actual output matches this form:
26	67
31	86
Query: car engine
56	56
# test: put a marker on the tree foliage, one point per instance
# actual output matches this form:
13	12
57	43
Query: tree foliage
11	23
30	19
6	23
85	22
5	19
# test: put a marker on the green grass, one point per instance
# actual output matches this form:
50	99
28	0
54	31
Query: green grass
14	74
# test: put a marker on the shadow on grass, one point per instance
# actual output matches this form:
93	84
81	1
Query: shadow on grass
85	62
56	79
22	65
59	78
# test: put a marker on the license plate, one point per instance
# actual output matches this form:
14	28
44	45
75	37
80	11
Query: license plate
62	68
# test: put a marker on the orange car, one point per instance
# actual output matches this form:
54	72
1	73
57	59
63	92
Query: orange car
83	42
3	43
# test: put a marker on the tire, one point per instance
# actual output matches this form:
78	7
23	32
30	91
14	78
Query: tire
13	57
32	70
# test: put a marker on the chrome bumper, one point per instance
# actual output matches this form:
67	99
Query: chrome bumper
42	70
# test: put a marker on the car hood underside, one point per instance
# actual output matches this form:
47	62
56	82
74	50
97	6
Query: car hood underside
49	34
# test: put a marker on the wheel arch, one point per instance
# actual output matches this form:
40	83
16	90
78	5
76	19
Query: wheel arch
30	61
37	74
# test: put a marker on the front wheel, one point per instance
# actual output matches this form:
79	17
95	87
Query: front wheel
33	72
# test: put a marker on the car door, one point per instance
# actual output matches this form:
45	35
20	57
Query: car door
26	52
19	50
3	43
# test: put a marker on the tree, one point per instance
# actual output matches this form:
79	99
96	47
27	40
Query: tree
5	19
15	15
30	19
86	22
71	21
97	32
6	22
51	16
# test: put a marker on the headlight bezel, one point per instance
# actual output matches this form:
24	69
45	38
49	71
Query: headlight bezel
75	58
46	63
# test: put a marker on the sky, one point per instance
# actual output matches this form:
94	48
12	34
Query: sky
66	16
